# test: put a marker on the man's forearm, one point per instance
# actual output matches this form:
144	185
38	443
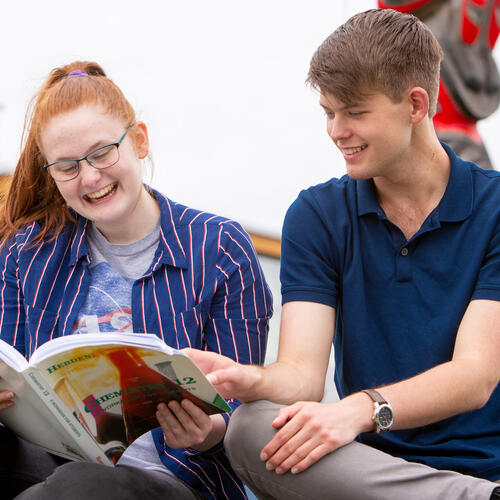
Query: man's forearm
463	384
439	393
284	383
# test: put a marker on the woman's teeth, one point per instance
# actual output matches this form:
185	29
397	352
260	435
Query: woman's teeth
102	193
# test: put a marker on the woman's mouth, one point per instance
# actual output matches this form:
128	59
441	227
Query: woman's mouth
103	193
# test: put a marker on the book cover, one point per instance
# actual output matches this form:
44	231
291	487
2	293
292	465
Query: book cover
106	386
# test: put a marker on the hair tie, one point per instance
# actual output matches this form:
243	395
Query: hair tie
77	73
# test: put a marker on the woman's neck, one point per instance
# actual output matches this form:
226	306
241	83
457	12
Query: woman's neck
135	225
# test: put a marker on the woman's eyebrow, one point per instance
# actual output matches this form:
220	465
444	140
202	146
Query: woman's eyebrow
89	150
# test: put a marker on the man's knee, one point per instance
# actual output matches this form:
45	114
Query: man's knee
250	429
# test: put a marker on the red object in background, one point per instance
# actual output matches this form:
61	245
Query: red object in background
406	7
469	87
449	118
471	31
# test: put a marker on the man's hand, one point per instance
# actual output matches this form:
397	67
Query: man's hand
309	431
185	425
299	372
6	399
231	379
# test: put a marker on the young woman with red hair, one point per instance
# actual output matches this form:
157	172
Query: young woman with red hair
87	246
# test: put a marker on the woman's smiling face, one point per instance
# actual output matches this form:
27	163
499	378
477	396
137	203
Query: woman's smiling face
109	197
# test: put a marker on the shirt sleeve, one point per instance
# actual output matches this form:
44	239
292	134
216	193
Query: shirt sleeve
12	315
242	303
238	321
308	255
488	281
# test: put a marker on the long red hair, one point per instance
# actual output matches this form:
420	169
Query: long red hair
33	195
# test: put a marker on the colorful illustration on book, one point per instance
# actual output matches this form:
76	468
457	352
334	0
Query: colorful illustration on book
132	382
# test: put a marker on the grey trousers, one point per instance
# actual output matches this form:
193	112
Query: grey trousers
29	473
353	472
85	481
22	464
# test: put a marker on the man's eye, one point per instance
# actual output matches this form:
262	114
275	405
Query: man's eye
356	113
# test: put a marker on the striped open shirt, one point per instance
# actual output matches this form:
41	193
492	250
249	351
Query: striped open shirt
204	289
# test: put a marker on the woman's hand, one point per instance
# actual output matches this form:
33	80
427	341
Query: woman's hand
6	399
185	425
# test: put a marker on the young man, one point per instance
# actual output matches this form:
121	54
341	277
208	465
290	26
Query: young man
398	263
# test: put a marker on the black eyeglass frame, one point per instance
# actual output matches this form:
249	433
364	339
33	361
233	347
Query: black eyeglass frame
78	160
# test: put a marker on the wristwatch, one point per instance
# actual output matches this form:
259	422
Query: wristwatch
383	416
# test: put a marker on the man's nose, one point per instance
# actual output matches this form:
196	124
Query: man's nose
338	128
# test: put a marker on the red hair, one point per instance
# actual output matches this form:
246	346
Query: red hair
33	195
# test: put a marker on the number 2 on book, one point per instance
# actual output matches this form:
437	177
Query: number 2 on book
185	381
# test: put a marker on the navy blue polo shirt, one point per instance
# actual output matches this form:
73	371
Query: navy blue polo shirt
399	303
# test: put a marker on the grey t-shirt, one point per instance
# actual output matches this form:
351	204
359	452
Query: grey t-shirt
107	307
131	260
113	270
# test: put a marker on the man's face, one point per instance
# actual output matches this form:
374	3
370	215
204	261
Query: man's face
373	135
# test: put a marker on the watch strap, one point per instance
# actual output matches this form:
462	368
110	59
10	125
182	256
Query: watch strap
375	395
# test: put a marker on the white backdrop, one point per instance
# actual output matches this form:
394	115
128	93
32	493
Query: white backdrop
220	83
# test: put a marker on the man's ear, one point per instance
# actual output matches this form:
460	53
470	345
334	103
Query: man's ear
419	101
141	139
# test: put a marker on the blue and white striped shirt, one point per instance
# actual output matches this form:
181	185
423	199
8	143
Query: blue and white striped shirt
204	289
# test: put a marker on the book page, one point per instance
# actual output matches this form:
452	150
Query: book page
12	357
63	344
34	421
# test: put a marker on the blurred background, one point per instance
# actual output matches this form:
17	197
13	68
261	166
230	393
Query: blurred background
220	84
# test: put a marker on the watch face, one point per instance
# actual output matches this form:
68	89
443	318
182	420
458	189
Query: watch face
385	417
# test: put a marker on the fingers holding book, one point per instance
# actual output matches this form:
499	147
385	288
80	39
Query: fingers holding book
231	379
6	399
185	425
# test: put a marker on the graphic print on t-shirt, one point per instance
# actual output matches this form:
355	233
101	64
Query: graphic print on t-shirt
107	307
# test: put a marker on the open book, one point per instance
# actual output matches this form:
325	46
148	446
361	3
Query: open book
87	397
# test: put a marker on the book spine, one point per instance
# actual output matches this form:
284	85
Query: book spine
84	446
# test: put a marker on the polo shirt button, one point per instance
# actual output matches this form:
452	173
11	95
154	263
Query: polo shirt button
404	252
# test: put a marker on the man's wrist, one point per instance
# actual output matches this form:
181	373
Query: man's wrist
254	384
364	412
383	416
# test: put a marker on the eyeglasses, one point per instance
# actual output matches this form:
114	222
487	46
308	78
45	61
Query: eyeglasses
100	158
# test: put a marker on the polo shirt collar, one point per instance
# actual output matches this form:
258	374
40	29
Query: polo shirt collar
367	199
172	252
455	205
